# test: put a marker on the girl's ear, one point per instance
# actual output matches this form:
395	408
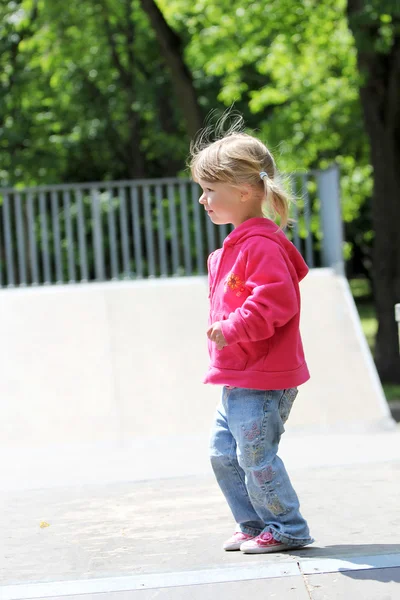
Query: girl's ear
245	192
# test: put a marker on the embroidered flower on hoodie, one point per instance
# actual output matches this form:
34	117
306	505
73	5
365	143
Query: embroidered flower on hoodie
234	283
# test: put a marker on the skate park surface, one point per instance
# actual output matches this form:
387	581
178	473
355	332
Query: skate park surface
107	491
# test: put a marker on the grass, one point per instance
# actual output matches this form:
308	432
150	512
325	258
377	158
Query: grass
392	392
362	295
369	322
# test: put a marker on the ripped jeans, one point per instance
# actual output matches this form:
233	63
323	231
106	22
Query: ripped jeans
253	479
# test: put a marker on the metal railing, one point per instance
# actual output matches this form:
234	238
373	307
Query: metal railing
139	229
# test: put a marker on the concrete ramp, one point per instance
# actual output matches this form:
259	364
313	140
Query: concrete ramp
116	362
344	392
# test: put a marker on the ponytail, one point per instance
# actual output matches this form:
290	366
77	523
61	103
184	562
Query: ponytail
277	200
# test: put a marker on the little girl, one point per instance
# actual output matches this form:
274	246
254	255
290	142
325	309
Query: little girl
254	343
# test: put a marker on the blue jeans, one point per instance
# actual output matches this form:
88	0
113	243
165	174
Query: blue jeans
253	479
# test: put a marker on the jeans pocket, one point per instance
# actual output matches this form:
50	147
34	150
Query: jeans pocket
286	403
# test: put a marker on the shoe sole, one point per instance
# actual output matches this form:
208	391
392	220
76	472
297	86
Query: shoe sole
232	548
265	550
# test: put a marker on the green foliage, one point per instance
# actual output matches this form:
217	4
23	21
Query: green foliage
360	289
89	98
376	24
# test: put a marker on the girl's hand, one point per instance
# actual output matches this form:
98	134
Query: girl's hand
214	333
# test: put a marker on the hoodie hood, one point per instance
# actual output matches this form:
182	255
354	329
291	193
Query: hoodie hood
260	226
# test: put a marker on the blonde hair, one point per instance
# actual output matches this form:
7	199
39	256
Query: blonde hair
237	158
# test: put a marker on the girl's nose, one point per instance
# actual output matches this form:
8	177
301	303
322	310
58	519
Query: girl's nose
202	199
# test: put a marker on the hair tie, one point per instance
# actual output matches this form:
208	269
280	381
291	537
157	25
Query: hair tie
264	175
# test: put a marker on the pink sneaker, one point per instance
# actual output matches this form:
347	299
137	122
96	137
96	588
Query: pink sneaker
235	542
265	542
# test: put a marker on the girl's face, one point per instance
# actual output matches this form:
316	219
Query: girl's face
222	202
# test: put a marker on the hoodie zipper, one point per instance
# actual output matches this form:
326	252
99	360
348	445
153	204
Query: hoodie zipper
214	285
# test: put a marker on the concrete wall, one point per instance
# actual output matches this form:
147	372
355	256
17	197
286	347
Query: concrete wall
116	361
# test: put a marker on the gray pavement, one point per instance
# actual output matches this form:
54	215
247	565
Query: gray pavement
161	538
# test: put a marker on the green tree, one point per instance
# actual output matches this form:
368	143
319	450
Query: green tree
171	47
91	96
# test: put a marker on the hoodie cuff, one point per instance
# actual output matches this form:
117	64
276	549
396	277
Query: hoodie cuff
230	333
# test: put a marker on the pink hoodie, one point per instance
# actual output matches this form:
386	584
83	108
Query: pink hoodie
254	293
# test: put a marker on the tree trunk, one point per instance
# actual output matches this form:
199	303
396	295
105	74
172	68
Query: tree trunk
380	98
181	77
133	158
386	257
135	164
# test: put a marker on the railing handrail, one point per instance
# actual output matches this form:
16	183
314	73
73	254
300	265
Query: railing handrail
124	182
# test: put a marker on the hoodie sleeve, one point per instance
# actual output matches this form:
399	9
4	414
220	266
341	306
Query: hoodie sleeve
274	299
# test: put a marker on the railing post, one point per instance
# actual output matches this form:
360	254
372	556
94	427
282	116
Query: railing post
97	235
8	241
397	317
331	218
